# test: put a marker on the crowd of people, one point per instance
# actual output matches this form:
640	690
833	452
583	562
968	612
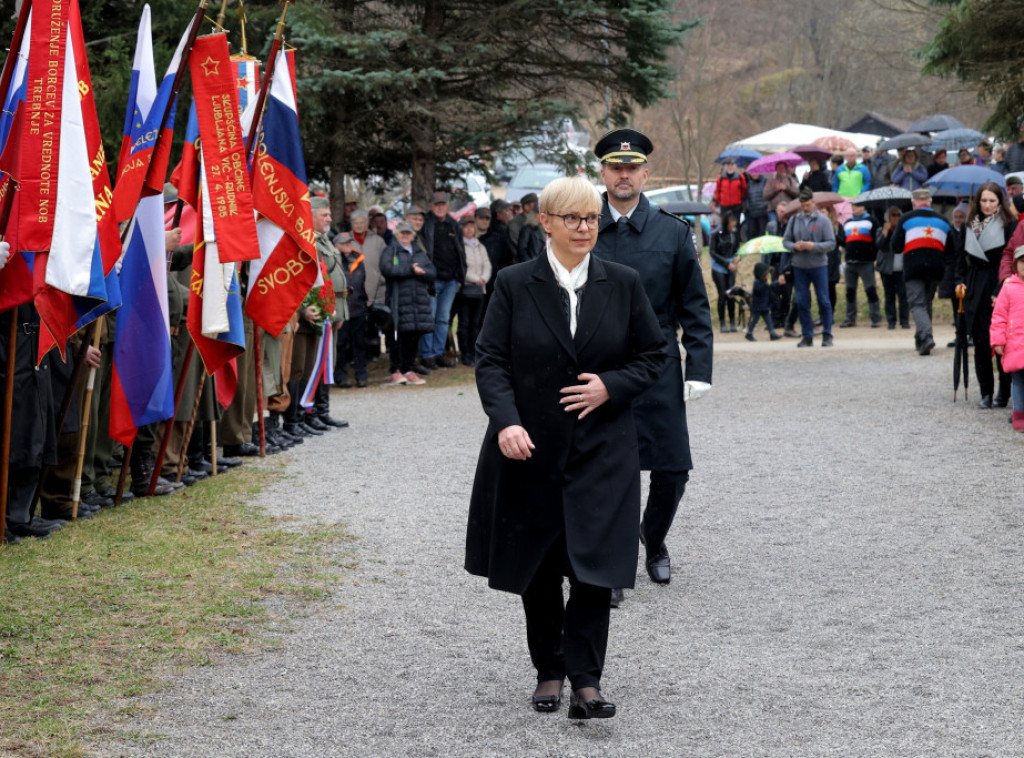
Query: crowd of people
964	253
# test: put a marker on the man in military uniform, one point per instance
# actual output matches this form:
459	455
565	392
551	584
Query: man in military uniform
660	247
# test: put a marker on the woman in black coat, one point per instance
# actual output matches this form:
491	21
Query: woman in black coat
567	343
989	226
409	273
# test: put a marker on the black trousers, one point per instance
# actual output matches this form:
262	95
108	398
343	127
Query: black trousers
723	281
667	488
983	356
471	311
351	348
566	639
895	289
404	354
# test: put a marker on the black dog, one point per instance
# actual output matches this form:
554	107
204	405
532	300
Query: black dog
742	297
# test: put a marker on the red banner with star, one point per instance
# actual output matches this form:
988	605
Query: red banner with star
220	134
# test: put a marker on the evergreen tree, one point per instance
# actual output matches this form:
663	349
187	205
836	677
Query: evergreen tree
979	41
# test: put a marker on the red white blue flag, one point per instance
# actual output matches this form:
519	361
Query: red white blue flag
142	390
142	168
323	366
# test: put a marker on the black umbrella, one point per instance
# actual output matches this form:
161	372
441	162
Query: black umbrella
883	197
960	351
936	123
907	139
686	208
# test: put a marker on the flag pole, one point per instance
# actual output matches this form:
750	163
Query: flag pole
83	434
261	101
12	345
187	437
169	424
124	474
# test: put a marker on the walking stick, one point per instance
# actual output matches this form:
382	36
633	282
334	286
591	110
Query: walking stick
83	435
189	427
5	447
169	424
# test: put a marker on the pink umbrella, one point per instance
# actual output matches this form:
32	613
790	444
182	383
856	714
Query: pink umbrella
835	143
766	164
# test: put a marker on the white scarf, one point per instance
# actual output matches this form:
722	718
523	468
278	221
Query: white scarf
570	281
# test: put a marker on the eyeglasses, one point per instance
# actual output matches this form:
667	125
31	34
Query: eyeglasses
572	221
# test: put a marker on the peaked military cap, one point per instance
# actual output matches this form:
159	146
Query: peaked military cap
623	146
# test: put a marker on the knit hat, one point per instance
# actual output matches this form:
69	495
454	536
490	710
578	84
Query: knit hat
806	194
760	269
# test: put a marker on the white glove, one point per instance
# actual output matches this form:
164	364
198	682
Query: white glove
5	253
695	390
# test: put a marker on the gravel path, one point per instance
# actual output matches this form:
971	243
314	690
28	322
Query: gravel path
848	582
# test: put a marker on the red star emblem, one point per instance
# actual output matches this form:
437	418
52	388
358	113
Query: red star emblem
210	66
243	83
929	232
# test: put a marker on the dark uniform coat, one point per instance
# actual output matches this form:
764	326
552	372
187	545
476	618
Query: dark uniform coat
659	246
584	475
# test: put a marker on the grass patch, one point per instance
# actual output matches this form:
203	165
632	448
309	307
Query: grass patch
107	608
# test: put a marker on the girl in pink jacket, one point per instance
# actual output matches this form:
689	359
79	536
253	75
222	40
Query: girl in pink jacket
1007	334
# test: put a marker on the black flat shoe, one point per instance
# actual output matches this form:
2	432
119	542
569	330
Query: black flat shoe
546	703
598	708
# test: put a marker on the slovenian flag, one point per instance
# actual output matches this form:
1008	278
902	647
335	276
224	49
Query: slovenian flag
142	167
142	390
286	269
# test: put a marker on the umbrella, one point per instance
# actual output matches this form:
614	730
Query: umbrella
762	245
812	151
883	197
686	208
834	143
936	123
907	139
954	139
766	165
960	349
963	180
740	155
821	199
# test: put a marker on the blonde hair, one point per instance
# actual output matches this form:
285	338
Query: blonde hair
570	195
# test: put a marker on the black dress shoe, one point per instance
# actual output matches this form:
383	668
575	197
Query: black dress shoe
226	461
197	474
94	498
546	703
199	464
110	492
245	449
617	597
362	382
325	419
1000	402
343	383
310	431
985	402
295	432
420	368
315	423
10	538
598	708
659	568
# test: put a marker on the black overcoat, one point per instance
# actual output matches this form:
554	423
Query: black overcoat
584	475
980	277
659	246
